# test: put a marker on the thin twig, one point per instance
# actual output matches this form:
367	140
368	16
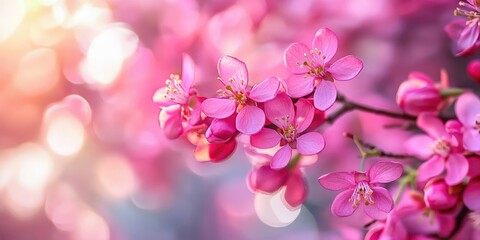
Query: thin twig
378	152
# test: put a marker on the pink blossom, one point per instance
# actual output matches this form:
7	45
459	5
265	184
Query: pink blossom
178	102
471	195
312	68
265	179
237	97
439	196
473	69
361	187
441	150
465	33
291	121
467	110
211	152
418	94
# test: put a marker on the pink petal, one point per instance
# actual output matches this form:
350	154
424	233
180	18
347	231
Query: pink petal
278	108
218	107
233	72
457	169
385	172
383	203
296	190
337	181
467	109
432	125
431	168
281	157
299	85
188	72
471	196
325	95
310	143
345	68
250	120
304	112
295	56
471	140
341	206
171	121
468	37
160	100
265	90
421	77
266	138
326	42
221	130
419	146
266	179
215	152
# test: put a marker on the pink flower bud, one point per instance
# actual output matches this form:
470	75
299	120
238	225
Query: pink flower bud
267	179
438	197
418	94
473	70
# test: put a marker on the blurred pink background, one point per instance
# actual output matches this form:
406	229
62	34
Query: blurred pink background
81	152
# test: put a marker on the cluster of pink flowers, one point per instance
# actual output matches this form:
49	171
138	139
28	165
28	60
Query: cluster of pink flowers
282	118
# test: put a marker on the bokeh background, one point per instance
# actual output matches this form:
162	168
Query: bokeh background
81	152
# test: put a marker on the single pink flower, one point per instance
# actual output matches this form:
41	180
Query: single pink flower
178	103
467	110
265	179
237	97
441	150
312	68
361	187
438	195
465	33
291	122
418	94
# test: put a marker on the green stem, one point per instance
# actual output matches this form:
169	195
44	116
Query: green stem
451	92
294	161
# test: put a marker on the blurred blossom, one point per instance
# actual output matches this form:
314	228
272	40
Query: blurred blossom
12	13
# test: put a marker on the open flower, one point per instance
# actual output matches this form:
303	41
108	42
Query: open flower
291	122
312	68
360	189
465	33
237	97
467	110
440	148
178	102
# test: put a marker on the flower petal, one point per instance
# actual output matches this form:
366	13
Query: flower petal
385	172
267	179
188	72
160	99
471	140
383	203
468	37
326	42
325	95
341	206
337	181
266	138
299	85
304	112
215	152
295	56
457	169
218	107
281	157
250	120
419	146
345	68
296	190
278	108
431	168
233	72
265	90
171	121
467	109
221	130
310	143
432	125
471	196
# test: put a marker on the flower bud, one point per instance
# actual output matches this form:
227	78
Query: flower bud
438	197
266	179
473	70
418	94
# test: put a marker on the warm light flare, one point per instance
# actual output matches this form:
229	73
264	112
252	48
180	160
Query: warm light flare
12	13
65	134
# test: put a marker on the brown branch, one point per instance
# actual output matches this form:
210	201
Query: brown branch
378	152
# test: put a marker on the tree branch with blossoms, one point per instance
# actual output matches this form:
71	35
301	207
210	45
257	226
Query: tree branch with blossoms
281	118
